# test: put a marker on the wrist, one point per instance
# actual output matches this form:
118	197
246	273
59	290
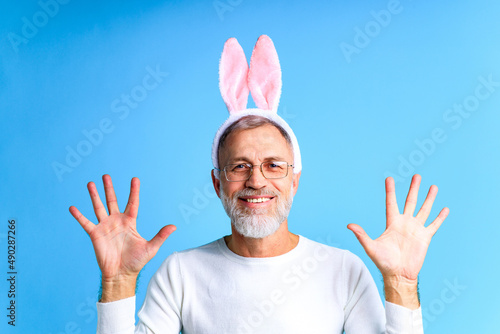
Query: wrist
117	288
402	291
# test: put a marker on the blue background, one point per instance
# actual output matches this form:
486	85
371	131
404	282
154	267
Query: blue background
362	96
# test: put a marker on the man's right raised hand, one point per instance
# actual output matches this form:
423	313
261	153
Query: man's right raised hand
120	251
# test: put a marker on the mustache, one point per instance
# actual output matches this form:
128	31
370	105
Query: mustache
253	192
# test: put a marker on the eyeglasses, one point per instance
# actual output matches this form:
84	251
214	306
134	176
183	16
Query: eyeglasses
269	169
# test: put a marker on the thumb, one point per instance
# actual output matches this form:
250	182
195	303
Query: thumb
160	237
363	238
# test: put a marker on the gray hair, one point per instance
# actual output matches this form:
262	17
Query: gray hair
247	123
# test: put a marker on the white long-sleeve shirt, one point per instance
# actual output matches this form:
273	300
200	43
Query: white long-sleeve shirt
314	288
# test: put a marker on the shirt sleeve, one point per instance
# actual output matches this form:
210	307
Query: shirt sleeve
364	311
160	313
403	320
116	317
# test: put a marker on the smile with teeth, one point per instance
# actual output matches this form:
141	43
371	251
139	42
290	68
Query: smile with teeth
257	200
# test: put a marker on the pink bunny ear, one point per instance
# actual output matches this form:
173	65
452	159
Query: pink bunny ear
264	78
233	72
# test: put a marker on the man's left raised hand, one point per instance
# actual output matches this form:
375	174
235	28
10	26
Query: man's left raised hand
400	251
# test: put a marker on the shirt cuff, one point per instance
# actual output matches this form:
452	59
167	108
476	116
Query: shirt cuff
116	317
403	320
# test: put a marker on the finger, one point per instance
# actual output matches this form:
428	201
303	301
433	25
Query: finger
110	195
391	204
425	210
87	225
133	200
434	226
159	238
99	209
363	238
411	199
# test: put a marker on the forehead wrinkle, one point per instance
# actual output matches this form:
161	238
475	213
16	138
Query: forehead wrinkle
271	158
268	142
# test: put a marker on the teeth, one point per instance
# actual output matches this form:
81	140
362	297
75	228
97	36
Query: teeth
258	200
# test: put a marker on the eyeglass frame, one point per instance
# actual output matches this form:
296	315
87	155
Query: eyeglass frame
251	171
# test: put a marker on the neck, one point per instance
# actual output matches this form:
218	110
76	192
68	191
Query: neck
279	243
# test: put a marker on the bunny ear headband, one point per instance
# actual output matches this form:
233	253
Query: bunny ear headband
263	80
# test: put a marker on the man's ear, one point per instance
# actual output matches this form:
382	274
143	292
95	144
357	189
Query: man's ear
216	183
295	179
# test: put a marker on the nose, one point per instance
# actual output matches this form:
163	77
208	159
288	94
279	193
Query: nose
257	179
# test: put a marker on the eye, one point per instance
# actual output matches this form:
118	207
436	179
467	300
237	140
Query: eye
275	165
239	167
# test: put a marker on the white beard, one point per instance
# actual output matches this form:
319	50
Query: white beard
257	223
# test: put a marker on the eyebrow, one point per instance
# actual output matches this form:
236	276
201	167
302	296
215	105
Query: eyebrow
274	158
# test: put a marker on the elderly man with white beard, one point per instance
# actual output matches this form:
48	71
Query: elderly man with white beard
262	278
256	212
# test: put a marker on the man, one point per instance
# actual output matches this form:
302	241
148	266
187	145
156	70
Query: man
262	278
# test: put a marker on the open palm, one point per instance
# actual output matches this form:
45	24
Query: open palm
400	251
120	251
